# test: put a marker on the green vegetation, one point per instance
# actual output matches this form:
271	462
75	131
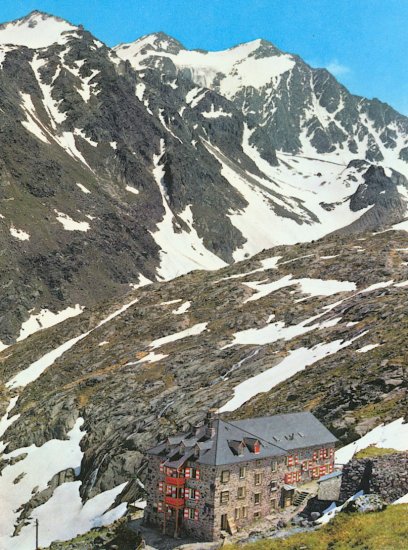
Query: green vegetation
387	530
372	452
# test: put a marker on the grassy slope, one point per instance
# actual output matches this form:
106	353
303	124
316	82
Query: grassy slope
387	530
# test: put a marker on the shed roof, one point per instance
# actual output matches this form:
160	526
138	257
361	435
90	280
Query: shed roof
337	473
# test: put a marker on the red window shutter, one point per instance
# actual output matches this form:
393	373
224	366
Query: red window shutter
196	515
160	507
315	455
331	452
187	473
296	459
290	460
197	494
288	478
186	513
331	468
160	486
197	474
257	448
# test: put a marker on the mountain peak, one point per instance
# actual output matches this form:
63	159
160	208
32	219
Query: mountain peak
158	42
36	30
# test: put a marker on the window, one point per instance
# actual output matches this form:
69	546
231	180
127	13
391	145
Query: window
191	513
257	479
195	473
224	497
257	498
244	512
225	476
257	515
190	493
236	513
242	472
241	493
274	466
274	485
258	462
274	504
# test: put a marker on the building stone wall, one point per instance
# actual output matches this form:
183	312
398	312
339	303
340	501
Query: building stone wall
269	489
385	475
330	489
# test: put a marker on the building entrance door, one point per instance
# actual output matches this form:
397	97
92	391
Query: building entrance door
224	522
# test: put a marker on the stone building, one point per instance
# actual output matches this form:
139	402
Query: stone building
329	487
223	475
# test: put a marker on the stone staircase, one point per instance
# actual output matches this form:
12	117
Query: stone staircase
300	498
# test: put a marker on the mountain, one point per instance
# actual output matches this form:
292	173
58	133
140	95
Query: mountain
143	162
317	326
286	103
264	204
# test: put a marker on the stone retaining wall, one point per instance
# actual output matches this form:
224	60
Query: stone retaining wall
386	475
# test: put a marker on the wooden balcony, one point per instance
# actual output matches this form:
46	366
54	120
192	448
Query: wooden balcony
175	502
175	481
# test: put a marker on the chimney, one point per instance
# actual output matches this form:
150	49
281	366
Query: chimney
210	418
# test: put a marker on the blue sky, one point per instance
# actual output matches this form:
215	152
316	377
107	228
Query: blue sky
363	42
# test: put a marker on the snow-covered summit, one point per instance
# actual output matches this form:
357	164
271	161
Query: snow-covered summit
36	30
149	44
254	63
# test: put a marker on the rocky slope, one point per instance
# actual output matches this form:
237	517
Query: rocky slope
318	326
148	161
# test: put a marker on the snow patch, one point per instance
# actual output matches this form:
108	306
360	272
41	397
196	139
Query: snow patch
313	287
83	189
182	309
46	319
367	348
132	189
19	234
195	330
69	224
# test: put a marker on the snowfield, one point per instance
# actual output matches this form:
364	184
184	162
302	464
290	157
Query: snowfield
295	362
28	476
36	31
180	251
389	436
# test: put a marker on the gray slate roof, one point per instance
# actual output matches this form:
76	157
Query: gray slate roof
278	435
337	473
